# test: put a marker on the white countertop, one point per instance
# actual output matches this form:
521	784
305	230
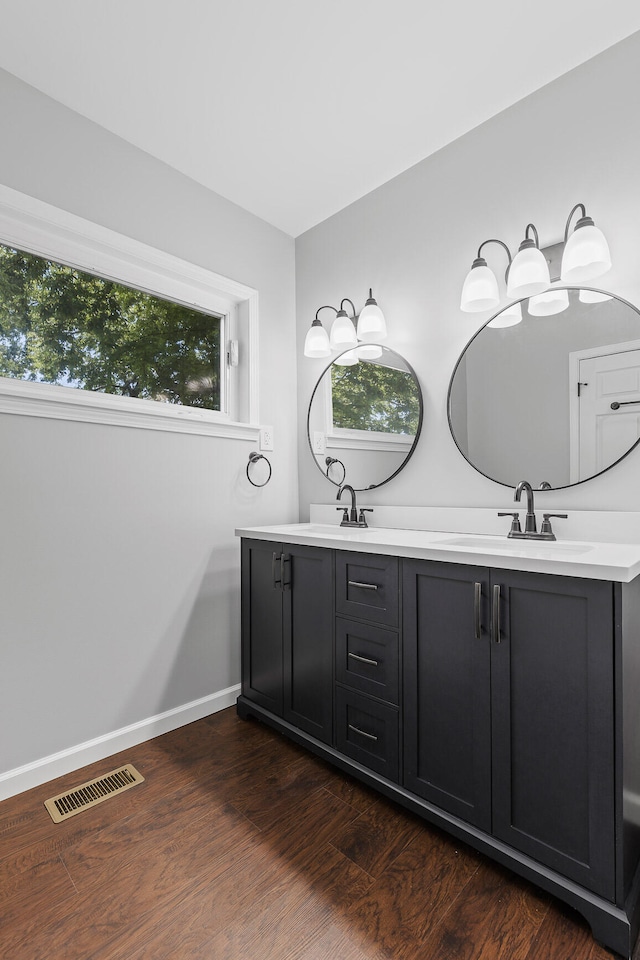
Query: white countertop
573	558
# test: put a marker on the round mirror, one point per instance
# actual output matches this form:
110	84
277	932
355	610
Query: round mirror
365	417
549	389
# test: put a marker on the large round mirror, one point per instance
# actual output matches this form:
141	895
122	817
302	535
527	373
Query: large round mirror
552	399
365	417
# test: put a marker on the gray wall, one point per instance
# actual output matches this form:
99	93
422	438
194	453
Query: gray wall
119	579
414	238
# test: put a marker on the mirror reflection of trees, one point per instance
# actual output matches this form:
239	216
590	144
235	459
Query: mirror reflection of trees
372	397
63	326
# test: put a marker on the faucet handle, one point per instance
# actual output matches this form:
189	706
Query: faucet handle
546	521
345	514
362	519
515	522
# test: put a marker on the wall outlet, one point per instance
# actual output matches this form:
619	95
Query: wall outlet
319	442
266	438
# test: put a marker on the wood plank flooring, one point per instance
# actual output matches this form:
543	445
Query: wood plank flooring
241	846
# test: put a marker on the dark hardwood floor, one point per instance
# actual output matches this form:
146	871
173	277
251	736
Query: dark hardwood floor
242	846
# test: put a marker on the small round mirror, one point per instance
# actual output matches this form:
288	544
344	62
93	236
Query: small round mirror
365	417
549	389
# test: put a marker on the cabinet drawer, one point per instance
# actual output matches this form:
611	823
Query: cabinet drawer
367	587
367	659
368	731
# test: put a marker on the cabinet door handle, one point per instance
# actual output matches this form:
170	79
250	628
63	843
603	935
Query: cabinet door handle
363	733
274	569
477	603
363	586
495	625
356	656
284	581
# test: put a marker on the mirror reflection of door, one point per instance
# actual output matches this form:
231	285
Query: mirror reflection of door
606	388
508	409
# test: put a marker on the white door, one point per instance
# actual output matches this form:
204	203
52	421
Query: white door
609	391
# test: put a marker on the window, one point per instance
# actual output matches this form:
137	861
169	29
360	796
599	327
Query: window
96	326
71	328
375	398
373	404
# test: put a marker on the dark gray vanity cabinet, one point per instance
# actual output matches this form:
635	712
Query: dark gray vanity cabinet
500	705
509	709
287	633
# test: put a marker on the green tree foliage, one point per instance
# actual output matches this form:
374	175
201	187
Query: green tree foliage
60	325
369	396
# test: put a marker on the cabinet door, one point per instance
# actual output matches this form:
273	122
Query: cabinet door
262	668
447	687
308	639
553	728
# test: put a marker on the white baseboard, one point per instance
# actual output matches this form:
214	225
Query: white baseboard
57	764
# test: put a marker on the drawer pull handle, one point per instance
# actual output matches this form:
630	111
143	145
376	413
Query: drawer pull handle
356	656
362	733
363	586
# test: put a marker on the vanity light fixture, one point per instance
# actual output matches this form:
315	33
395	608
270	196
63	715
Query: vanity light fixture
585	256
480	289
371	322
347	359
549	303
507	317
316	343
586	251
369	351
528	273
371	326
593	296
343	330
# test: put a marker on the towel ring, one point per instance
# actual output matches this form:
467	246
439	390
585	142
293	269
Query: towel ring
330	462
253	458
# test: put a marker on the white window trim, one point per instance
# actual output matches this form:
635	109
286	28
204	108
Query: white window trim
44	230
344	438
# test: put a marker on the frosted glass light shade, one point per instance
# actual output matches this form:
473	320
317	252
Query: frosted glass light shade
593	296
347	359
528	274
371	322
549	303
369	351
480	289
507	317
343	332
316	342
586	255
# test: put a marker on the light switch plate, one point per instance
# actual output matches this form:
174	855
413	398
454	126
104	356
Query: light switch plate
319	441
266	438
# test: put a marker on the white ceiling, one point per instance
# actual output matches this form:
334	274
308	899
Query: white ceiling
295	108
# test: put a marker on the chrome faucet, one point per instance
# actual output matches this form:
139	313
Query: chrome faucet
350	518
530	521
530	528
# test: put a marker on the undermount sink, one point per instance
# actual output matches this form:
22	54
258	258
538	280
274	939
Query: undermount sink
517	546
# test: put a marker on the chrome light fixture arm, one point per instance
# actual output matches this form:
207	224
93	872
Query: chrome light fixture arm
581	222
502	244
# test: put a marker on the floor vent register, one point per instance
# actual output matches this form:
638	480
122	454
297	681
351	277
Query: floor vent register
88	794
